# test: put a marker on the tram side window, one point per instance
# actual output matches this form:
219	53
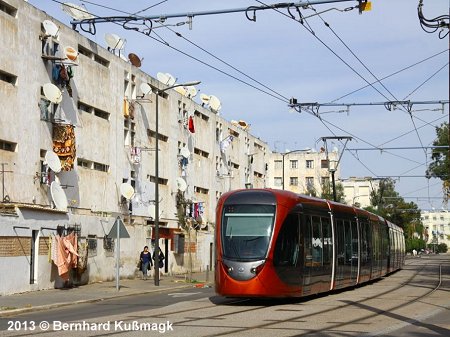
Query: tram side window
287	246
308	242
327	241
317	242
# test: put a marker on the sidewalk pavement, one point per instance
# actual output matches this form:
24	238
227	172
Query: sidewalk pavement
98	291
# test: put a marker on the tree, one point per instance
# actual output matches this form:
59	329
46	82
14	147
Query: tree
387	203
440	167
327	192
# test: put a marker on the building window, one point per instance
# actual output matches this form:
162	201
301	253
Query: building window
101	167
7	146
278	164
92	245
8	9
293	181
310	164
8	78
324	163
325	181
294	164
277	181
309	182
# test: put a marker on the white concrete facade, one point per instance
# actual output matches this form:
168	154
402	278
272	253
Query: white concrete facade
111	148
304	170
358	190
437	227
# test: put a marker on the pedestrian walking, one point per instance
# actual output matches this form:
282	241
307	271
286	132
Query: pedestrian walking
161	258
146	262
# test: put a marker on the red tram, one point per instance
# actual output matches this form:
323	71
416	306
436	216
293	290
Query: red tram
274	243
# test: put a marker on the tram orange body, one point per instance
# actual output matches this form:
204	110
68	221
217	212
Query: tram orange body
273	243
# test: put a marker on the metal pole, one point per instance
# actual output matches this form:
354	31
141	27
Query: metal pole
156	251
334	185
283	169
118	256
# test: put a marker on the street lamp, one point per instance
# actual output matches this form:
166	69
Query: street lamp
156	252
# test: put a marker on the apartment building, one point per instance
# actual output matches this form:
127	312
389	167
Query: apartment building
436	227
357	190
302	171
99	124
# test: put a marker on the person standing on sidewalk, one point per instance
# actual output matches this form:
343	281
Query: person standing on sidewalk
146	262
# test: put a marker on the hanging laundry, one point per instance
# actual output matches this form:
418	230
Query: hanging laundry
191	127
131	109
224	144
64	145
82	257
126	108
67	256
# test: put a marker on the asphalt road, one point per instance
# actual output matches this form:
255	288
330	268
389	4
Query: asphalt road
412	302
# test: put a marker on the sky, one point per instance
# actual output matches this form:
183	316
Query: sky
255	67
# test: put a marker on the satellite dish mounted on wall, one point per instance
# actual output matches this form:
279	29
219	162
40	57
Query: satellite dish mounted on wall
76	12
185	152
127	191
52	160
50	28
145	88
166	78
52	93
181	90
71	53
214	104
114	41
191	91
205	99
58	196
135	60
181	184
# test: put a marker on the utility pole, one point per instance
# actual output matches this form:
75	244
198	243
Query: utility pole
332	170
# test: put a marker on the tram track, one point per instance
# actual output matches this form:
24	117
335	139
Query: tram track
346	304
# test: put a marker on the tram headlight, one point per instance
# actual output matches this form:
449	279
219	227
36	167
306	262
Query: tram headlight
256	269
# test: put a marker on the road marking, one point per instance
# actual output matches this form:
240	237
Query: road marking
182	294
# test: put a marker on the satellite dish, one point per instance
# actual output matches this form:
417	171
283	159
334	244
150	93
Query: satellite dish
181	90
134	60
145	88
181	184
205	98
52	160
58	196
71	53
243	124
166	78
50	28
191	91
76	12
163	78
127	191
214	103
185	152
172	79
114	41
52	93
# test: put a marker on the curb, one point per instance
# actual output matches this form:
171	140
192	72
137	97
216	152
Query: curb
6	313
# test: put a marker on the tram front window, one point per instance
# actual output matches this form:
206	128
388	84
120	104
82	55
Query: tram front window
246	231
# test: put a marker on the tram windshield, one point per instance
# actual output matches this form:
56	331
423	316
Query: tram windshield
246	231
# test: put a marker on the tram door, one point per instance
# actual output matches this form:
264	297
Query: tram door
346	252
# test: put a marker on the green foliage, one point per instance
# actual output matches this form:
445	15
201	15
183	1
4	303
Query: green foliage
387	203
414	243
327	192
442	248
440	167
